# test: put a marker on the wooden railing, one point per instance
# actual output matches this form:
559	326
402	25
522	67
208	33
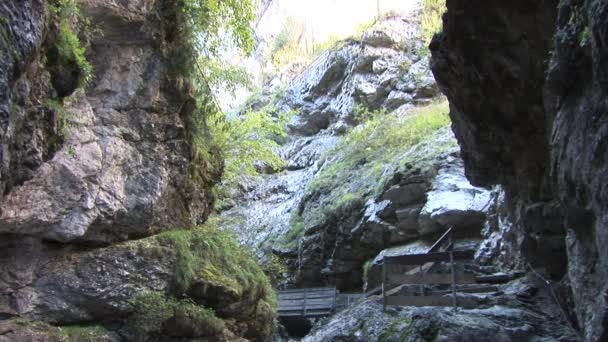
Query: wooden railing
307	302
395	276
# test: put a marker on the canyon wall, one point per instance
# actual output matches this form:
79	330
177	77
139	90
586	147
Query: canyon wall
527	85
95	176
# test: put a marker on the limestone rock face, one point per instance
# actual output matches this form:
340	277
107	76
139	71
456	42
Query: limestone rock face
419	203
85	172
123	170
536	125
381	70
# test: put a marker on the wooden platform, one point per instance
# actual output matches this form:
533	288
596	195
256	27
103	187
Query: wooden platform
307	302
395	277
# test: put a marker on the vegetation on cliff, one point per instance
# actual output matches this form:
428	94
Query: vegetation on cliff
430	21
359	166
68	55
213	278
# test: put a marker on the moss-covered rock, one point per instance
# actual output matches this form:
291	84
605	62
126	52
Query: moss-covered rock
218	276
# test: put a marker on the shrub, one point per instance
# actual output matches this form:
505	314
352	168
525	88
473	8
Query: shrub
213	256
81	333
366	267
295	232
62	117
430	21
152	309
69	48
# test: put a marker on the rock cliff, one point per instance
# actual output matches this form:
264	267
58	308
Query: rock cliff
97	170
337	204
526	83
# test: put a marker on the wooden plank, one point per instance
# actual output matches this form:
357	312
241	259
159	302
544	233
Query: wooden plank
301	301
476	289
430	279
308	290
384	286
453	274
327	301
497	278
308	306
417	259
435	265
309	295
467	303
373	291
310	314
437	245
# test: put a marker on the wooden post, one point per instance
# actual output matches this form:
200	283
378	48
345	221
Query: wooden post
383	286
304	309
422	278
452	269
333	309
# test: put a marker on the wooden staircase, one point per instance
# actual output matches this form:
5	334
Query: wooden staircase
419	270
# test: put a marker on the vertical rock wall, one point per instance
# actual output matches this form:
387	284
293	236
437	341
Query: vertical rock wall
526	81
123	169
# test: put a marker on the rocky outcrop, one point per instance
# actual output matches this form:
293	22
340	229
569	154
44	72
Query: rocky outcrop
382	69
324	238
122	171
518	315
535	125
103	286
421	200
84	171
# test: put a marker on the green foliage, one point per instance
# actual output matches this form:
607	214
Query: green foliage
248	139
208	28
363	114
364	159
152	309
287	46
213	259
62	117
214	24
245	141
366	267
295	233
220	75
213	256
274	267
583	36
430	21
80	333
70	49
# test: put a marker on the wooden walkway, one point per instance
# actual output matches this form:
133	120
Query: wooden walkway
308	302
399	272
314	302
417	269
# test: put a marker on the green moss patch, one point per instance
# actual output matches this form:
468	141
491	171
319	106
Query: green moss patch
157	311
366	158
66	60
212	274
82	333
